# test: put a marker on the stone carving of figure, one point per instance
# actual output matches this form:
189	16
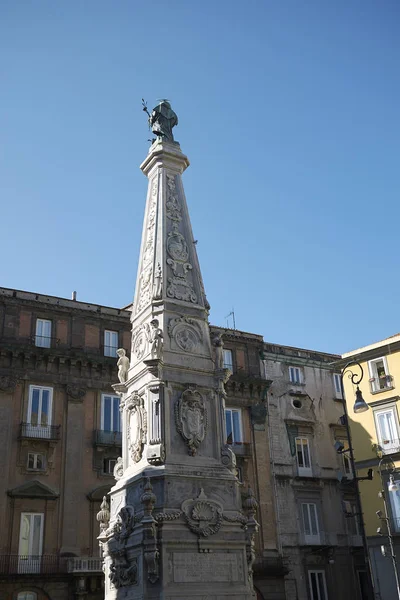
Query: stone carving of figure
162	120
123	365
156	339
219	351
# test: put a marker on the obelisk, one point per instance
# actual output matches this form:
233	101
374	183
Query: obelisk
178	526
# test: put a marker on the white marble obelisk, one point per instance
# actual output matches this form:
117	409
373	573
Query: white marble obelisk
177	526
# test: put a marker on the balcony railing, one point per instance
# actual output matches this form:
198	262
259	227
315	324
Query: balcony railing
380	384
85	564
41	432
44	341
389	446
43	565
107	438
241	448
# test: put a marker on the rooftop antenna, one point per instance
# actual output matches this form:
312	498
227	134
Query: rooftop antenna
231	314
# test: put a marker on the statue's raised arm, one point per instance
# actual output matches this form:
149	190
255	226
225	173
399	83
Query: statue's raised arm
162	120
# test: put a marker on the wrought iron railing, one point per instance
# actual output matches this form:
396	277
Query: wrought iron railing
111	351
44	341
41	432
388	446
45	564
241	448
379	384
107	438
85	564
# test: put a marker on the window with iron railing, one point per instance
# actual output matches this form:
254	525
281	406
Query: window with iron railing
43	333
110	343
387	428
380	378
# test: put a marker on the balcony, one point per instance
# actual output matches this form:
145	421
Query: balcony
242	449
388	446
380	384
47	564
85	564
39	432
107	438
44	341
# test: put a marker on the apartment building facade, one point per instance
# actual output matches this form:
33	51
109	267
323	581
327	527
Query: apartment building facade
60	437
318	533
376	441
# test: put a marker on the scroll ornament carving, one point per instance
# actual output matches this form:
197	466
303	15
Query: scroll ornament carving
118	471
173	206
8	383
123	571
136	418
203	516
228	459
191	419
186	332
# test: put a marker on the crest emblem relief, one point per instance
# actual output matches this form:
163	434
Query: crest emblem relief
186	333
191	419
202	515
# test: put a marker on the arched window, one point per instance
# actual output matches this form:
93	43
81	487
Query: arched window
27	596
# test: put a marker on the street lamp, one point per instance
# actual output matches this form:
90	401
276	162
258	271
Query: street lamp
392	488
359	406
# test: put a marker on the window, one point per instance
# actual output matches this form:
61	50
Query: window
39	410
110	343
379	375
27	596
303	457
110	419
228	360
395	505
317	583
337	384
351	516
30	542
295	375
387	428
233	420
108	466
35	461
43	333
310	523
347	464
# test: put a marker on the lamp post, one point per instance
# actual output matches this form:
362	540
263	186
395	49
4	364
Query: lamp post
392	488
359	406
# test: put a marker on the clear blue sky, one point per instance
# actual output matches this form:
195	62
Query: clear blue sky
289	113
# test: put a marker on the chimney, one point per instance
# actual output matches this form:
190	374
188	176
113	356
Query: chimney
73	295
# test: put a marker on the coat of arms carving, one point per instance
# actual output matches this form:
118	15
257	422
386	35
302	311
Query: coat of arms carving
136	420
191	419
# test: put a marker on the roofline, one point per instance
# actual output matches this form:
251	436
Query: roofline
381	344
40	297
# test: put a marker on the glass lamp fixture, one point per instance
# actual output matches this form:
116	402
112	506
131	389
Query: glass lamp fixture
393	485
360	405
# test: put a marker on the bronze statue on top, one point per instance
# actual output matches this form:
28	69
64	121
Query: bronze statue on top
162	119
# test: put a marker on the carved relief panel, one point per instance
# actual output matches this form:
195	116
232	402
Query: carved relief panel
180	281
191	419
185	334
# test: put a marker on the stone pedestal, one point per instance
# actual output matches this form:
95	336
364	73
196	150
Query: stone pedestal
177	526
